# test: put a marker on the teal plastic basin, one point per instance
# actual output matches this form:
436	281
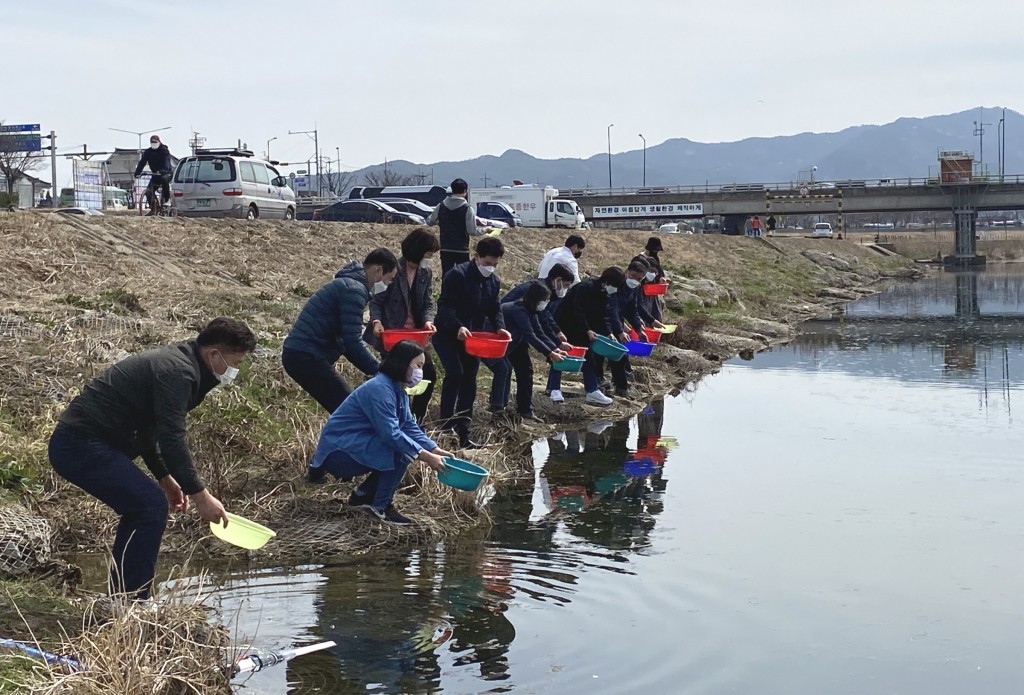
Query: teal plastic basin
462	475
569	364
608	348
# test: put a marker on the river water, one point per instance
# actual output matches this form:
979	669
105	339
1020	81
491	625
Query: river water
839	515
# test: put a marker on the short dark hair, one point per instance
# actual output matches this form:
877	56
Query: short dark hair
490	246
644	260
536	293
575	240
418	243
227	333
614	277
559	271
396	364
382	257
638	266
459	186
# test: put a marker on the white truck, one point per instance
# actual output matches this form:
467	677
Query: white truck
537	206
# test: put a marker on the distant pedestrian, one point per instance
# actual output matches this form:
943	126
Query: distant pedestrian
457	220
652	303
755	226
772	224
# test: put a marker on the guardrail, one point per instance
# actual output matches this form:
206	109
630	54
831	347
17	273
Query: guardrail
782	186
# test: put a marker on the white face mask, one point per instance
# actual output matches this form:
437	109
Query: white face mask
229	375
379	286
486	270
632	284
562	292
417	377
426	262
650	276
155	145
610	289
541	306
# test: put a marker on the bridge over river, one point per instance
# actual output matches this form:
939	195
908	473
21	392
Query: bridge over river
736	202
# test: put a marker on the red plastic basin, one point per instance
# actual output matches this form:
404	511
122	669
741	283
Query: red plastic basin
391	337
482	344
653	335
577	352
653	289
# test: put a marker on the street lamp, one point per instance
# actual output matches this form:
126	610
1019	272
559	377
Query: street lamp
140	133
645	158
268	146
610	125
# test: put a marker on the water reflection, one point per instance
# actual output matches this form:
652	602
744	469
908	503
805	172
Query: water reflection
961	328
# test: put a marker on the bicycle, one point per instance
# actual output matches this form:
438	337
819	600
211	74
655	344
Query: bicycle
159	205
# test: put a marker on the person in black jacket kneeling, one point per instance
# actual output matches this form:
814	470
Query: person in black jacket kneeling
469	298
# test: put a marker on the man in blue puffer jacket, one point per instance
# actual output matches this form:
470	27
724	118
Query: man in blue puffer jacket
331	326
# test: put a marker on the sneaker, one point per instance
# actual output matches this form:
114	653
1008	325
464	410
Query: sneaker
598	398
316	475
557	397
390	515
358	499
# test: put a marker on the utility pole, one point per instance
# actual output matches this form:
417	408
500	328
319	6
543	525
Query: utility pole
196	142
485	179
55	192
610	126
1002	146
979	130
316	146
645	158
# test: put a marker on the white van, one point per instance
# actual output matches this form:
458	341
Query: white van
231	183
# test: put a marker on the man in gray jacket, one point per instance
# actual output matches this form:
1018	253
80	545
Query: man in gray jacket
136	408
457	219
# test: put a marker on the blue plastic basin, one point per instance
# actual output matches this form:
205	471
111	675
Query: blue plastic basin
639	467
569	364
639	349
461	475
608	348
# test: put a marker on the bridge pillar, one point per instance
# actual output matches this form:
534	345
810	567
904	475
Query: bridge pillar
734	224
966	249
967	308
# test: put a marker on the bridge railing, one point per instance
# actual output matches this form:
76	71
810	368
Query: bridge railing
782	187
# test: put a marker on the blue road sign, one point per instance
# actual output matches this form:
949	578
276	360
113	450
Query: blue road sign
22	128
20	143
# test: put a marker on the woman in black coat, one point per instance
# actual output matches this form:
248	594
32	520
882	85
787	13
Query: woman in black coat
583	315
409	304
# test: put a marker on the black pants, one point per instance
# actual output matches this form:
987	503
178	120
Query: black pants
523	368
317	377
158	181
450	259
458	388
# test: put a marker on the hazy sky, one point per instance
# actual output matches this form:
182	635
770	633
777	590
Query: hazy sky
433	81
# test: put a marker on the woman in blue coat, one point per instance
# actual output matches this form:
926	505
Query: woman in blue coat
374	432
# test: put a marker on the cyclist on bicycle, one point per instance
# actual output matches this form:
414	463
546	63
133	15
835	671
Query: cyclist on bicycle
158	157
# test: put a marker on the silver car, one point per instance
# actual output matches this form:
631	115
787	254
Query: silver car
231	183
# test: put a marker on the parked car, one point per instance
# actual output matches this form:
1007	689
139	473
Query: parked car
79	211
414	207
496	210
821	230
230	183
674	228
374	211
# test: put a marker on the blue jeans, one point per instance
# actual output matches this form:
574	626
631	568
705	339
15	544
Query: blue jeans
109	475
554	380
501	384
380	485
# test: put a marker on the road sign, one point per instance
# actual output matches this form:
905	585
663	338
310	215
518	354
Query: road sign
22	128
20	143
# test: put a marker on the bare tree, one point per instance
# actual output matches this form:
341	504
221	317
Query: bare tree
340	181
384	177
14	165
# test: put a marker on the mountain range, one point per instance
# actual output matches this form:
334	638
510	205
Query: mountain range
907	147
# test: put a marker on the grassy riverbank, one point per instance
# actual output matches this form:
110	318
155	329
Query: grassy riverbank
80	294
